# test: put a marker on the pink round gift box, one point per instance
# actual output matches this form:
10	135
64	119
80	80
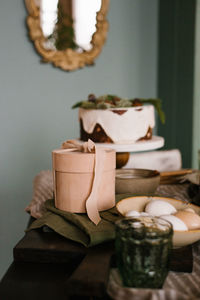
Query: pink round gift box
73	178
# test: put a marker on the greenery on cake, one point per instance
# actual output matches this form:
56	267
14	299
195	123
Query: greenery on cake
113	101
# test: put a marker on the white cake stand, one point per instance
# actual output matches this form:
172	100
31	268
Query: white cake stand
123	150
155	143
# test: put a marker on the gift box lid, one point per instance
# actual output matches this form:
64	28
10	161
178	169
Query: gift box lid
65	160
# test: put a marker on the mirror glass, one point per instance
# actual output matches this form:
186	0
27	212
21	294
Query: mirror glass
69	24
68	33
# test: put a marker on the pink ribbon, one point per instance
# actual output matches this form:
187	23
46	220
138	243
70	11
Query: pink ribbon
90	147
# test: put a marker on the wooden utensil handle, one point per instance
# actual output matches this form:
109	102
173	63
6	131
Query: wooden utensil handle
177	172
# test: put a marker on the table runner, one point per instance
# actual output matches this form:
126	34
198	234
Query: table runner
178	286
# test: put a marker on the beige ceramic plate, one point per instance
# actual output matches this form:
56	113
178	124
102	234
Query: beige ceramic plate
180	238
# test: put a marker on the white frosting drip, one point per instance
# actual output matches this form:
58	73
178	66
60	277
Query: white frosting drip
125	128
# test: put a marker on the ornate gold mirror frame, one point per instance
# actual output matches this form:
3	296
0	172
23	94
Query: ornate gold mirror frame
67	59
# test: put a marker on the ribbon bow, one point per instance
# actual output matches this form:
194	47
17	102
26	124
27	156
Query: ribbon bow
90	147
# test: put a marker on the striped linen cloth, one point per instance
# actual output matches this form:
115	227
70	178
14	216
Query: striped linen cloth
177	286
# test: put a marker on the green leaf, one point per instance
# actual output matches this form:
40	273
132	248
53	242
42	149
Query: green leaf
78	104
104	105
124	103
111	97
88	105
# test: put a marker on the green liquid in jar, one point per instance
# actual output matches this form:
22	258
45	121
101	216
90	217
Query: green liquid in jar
143	246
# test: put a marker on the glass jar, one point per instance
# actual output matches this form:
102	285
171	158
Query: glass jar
143	245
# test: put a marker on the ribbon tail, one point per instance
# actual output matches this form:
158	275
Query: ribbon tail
91	202
89	146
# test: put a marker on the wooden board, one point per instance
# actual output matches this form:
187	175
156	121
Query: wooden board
91	266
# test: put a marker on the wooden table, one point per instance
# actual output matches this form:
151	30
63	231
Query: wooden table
48	266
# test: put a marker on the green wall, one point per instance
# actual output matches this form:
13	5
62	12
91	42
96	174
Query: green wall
176	74
36	99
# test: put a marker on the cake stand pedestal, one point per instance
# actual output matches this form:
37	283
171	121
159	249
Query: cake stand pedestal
123	150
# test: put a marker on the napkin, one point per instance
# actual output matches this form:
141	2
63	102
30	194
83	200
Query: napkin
78	227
